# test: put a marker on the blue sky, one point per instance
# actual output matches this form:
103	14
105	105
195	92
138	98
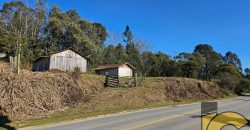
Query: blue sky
173	26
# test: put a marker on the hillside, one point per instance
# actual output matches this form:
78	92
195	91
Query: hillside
35	95
157	91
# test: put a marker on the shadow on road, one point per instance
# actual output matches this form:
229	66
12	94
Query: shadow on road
4	121
195	116
245	95
235	119
247	100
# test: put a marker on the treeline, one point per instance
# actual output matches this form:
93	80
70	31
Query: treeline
33	32
28	32
204	63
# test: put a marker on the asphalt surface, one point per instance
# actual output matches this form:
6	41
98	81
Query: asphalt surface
182	117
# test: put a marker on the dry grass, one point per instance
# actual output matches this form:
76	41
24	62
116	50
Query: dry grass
56	96
32	95
157	90
4	66
92	84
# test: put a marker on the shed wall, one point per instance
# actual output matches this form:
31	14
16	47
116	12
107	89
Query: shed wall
110	72
67	61
125	71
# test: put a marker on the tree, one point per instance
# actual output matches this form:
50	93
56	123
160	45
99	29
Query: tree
212	60
131	50
163	65
229	76
149	61
120	54
133	56
23	27
184	63
243	86
232	58
247	71
15	18
73	14
204	49
128	36
68	30
158	64
109	55
190	65
99	34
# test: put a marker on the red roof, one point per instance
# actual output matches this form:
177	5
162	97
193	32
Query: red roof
113	66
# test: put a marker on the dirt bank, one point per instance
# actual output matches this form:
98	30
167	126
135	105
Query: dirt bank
158	90
34	95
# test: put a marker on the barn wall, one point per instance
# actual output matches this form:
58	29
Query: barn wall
67	61
41	65
125	71
110	72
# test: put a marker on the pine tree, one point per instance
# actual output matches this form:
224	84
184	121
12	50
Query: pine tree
131	50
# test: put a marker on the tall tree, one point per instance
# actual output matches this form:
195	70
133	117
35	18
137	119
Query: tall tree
191	65
68	30
128	36
131	50
212	60
232	58
15	18
229	76
247	71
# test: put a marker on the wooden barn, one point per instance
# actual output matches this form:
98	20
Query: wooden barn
116	70
66	60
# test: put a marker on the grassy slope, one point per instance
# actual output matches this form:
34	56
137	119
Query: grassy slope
154	92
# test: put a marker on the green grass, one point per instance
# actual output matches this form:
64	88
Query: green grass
79	112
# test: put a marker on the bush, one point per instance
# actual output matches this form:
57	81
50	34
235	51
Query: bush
77	73
228	81
238	90
242	87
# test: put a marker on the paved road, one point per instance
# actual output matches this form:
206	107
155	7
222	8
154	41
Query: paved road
183	117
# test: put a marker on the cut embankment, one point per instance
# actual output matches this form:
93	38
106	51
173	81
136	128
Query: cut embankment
34	95
158	91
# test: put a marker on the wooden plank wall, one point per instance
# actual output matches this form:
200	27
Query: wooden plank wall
67	61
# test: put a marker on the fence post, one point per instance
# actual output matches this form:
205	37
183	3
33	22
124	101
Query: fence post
135	79
106	81
118	81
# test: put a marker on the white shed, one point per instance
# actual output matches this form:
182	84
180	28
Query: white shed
66	60
116	70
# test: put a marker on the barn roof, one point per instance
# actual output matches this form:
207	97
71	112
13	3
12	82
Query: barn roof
86	57
113	66
42	57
